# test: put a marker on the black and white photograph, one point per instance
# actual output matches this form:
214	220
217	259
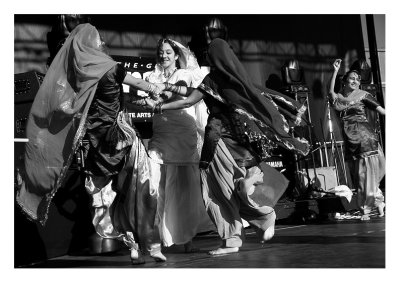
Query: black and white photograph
227	141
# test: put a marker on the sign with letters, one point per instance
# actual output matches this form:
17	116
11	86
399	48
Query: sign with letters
137	67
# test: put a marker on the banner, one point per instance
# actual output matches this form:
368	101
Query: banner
138	67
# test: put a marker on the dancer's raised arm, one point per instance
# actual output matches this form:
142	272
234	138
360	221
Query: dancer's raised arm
336	67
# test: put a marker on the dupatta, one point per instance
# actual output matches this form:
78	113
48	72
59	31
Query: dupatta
56	122
342	102
236	89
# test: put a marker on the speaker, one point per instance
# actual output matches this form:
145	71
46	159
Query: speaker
26	85
21	113
325	175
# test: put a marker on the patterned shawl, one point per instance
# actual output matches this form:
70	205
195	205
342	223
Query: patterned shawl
342	102
236	88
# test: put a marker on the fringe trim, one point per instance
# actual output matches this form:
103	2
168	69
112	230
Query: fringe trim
26	212
44	206
259	122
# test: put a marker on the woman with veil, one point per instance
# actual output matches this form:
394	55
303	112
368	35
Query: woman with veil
244	125
81	95
175	147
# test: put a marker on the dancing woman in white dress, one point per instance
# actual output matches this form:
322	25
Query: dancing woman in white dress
174	150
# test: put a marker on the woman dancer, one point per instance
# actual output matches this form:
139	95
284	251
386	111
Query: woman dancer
174	150
367	160
81	94
243	126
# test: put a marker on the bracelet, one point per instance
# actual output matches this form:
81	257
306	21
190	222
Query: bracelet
168	86
140	102
173	88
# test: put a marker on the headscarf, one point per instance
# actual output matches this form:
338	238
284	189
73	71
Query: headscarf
56	122
236	88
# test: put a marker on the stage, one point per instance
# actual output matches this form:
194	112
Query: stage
325	244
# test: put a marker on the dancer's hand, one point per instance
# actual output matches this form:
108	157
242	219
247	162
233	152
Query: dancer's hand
160	87
336	64
150	104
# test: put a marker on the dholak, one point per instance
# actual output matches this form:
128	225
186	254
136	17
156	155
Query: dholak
269	192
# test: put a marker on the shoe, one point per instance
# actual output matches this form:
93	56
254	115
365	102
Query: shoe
136	257
381	207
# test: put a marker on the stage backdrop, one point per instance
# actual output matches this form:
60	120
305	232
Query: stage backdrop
262	42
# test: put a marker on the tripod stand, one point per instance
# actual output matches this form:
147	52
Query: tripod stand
314	184
334	147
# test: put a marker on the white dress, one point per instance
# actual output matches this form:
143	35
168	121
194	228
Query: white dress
174	151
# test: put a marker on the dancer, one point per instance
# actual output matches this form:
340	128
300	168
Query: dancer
243	127
81	94
175	150
367	160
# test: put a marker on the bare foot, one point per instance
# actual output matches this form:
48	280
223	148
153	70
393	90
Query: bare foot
136	257
380	209
158	257
365	217
270	232
221	251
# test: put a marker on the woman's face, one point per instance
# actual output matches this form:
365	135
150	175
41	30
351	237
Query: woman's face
166	56
353	81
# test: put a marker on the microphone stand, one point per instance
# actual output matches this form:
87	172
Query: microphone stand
313	184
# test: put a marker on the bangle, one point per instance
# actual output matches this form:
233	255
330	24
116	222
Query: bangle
168	86
173	88
140	102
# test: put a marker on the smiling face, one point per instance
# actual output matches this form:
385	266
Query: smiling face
353	81
167	56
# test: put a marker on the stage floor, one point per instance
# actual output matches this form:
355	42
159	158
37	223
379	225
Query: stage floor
330	244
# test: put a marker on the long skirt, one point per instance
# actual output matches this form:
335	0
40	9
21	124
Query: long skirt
180	213
227	205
